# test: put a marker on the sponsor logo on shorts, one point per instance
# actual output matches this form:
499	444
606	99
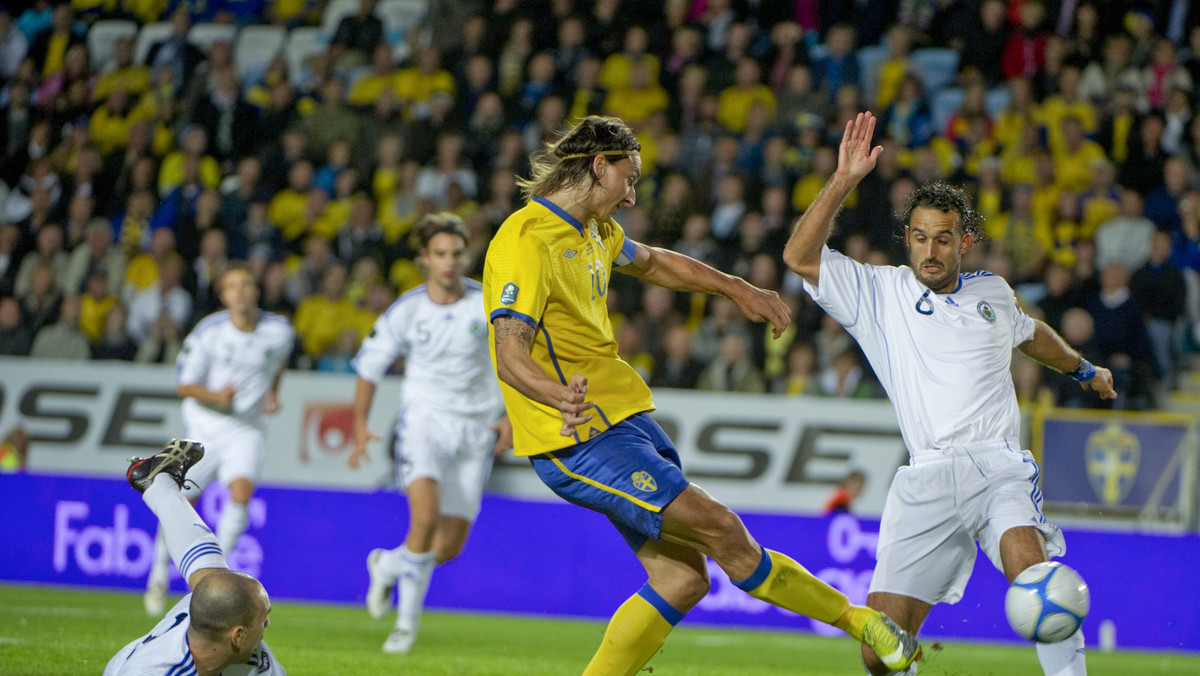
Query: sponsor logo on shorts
986	311
508	295
644	482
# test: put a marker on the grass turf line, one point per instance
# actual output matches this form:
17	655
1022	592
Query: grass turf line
52	630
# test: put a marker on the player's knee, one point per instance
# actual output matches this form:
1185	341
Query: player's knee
727	534
695	588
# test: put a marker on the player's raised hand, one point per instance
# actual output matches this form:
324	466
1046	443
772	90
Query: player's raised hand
856	155
1101	383
573	405
271	402
504	436
362	437
762	305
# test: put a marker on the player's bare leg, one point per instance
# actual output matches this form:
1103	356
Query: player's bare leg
449	538
905	611
678	579
1020	548
235	515
697	520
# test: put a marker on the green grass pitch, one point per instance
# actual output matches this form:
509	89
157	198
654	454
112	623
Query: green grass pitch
51	630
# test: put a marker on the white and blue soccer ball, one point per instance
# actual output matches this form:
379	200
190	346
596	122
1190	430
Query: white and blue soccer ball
1047	602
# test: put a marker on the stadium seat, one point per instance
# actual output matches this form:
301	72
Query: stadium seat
936	66
943	104
335	11
150	34
399	16
870	59
256	46
100	39
303	42
204	35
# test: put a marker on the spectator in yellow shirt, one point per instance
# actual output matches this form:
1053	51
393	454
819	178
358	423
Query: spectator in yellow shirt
133	78
111	121
1067	104
320	318
641	99
288	207
416	86
189	164
382	76
734	103
1073	159
617	70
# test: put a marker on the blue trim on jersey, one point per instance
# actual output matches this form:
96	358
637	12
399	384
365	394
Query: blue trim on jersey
759	575
668	611
505	312
601	412
973	275
561	213
411	293
1036	493
184	666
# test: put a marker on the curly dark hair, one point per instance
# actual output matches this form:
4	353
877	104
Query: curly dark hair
945	198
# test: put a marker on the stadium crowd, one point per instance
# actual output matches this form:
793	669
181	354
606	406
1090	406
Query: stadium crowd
146	143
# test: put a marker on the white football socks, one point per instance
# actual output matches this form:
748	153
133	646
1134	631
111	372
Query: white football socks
160	565
1065	658
190	543
414	570
231	524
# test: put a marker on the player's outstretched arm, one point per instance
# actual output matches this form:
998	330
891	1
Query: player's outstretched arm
856	159
1048	348
518	370
676	271
364	395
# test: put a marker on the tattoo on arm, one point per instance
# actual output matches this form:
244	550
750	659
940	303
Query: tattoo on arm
519	330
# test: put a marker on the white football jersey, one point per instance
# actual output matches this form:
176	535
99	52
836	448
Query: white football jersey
447	361
943	358
216	354
165	651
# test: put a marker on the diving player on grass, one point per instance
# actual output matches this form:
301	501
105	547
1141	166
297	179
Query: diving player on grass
581	414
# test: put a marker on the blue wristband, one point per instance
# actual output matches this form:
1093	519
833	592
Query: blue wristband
1084	372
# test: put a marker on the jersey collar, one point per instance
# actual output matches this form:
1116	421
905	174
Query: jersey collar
561	213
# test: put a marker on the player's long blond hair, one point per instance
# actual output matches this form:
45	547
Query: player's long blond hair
568	161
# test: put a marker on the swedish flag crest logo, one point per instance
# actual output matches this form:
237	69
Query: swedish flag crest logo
644	482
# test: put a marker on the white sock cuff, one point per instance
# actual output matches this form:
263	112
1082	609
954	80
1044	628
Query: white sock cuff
415	559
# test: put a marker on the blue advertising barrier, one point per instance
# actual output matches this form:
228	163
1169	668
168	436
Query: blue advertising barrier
555	559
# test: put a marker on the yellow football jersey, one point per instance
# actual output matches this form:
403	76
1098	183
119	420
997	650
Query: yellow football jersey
550	271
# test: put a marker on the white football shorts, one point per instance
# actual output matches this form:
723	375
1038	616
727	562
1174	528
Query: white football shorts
941	504
236	451
454	450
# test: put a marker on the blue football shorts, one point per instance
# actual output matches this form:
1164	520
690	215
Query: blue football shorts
630	473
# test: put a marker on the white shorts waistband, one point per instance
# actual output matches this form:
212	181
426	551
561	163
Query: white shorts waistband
950	452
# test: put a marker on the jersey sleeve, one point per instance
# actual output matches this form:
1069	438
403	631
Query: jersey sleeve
382	345
843	288
517	280
1022	324
191	366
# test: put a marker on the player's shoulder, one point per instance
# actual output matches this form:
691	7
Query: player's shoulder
274	322
408	301
982	282
212	323
532	224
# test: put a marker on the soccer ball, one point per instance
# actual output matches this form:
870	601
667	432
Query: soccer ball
1047	602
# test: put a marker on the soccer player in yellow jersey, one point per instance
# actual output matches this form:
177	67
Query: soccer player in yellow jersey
580	413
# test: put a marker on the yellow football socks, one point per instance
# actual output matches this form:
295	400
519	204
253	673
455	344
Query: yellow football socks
635	632
780	581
